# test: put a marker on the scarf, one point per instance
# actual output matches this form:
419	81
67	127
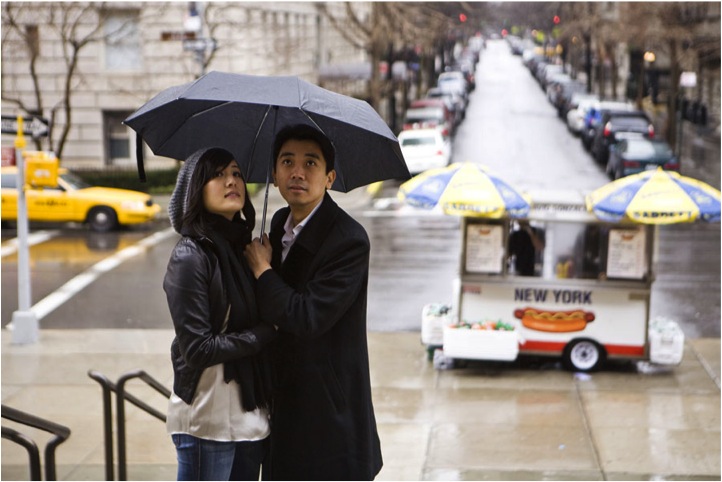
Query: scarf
252	373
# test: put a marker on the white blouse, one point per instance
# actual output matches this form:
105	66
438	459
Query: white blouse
215	412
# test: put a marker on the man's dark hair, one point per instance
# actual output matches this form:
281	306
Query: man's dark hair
209	163
304	132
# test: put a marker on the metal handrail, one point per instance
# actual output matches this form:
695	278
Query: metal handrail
120	413
119	389
60	432
30	446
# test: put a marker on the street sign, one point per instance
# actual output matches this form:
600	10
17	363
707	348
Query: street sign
33	125
177	35
688	79
199	45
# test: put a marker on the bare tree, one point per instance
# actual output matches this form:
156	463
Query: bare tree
389	32
75	25
666	27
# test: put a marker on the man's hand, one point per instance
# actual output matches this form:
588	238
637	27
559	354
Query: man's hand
259	255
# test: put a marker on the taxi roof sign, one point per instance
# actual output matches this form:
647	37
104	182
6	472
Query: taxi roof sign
41	169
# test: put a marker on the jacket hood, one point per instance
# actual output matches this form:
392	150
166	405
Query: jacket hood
179	199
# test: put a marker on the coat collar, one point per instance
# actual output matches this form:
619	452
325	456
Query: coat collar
315	231
318	226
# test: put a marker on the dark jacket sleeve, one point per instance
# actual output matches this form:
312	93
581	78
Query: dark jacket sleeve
198	313
334	285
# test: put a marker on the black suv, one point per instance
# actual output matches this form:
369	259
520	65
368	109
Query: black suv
615	125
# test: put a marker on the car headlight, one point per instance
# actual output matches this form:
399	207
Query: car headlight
133	205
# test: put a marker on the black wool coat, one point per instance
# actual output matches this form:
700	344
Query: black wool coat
322	424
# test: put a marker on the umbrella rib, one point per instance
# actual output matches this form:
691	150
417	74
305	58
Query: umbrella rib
190	118
258	133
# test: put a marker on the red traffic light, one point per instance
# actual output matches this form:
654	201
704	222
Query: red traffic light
462	17
556	19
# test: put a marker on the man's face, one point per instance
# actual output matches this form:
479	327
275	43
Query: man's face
300	175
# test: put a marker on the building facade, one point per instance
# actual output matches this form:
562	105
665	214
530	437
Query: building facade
123	53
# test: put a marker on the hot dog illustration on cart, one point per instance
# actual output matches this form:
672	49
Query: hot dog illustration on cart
554	321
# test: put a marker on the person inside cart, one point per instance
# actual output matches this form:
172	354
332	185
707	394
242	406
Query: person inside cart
591	251
526	245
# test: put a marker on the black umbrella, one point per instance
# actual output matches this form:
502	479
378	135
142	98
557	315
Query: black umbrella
243	113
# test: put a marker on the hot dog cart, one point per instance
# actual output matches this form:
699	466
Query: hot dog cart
558	282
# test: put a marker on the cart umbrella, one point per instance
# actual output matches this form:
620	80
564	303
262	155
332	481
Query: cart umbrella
656	197
464	189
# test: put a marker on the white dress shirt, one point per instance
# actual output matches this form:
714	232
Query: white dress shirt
293	231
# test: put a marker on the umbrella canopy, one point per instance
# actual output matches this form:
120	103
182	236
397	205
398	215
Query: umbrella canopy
243	113
464	189
656	197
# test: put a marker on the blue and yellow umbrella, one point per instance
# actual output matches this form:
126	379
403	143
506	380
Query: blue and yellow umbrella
656	197
464	189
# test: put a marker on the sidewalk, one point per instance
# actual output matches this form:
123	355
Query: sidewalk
485	422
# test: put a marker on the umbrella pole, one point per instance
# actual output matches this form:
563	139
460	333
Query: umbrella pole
268	176
265	207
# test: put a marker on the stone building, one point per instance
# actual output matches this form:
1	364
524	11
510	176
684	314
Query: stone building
123	53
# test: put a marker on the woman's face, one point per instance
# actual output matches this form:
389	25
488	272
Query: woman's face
225	193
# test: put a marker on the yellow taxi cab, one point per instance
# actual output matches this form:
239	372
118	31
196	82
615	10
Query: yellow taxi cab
73	200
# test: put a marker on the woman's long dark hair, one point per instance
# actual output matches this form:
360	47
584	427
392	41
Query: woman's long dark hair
208	165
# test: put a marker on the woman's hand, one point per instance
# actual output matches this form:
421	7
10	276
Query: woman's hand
258	255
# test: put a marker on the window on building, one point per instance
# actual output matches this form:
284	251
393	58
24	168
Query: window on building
119	139
122	41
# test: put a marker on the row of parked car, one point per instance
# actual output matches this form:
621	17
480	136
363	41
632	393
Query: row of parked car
616	134
431	122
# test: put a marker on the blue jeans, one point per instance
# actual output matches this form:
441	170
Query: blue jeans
200	459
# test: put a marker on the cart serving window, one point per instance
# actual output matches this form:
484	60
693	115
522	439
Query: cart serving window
558	240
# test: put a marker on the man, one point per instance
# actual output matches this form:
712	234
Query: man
525	243
313	283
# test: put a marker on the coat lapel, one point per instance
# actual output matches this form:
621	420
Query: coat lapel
297	266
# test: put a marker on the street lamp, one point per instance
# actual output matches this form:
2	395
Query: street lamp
649	58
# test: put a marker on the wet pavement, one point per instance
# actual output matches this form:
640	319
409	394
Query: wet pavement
527	420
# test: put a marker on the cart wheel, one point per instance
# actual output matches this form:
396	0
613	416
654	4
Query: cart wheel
583	355
441	361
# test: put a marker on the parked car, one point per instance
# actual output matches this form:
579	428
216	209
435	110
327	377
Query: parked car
552	82
563	100
579	105
73	200
455	82
531	57
594	116
424	149
615	124
426	113
633	155
453	102
545	73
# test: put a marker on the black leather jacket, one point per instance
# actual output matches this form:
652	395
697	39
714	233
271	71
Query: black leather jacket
198	306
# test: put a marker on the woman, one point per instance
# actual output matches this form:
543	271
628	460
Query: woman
218	411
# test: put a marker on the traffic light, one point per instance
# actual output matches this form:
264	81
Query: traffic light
556	20
462	17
